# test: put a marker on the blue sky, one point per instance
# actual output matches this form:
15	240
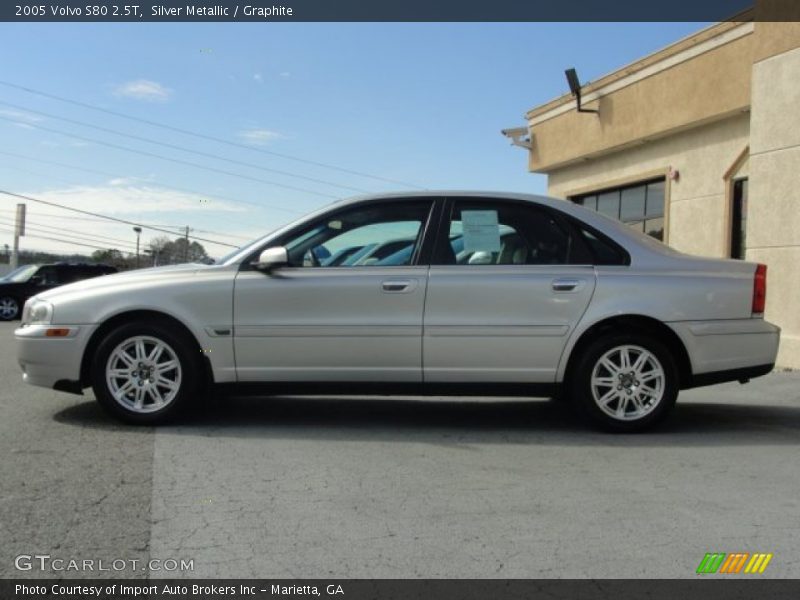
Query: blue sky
417	103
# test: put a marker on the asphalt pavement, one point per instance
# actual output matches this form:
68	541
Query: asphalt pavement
292	487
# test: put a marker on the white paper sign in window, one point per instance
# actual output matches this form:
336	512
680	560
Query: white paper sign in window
481	230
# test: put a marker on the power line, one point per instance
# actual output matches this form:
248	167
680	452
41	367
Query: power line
109	218
97	219
163	185
223	217
49	176
100	220
170	159
61	240
183	149
36	226
207	137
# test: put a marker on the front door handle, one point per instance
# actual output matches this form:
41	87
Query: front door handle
399	286
565	285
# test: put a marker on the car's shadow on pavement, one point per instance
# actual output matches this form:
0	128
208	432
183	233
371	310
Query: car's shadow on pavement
454	420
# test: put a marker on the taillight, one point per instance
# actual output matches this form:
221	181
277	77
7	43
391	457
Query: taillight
760	289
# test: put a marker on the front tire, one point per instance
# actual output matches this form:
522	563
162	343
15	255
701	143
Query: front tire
146	373
625	382
9	308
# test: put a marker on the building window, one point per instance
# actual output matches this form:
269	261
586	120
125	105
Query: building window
739	218
640	206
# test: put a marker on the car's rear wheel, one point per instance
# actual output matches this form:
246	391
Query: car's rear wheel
9	308
145	373
625	382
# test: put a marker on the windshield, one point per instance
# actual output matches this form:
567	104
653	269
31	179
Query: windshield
21	274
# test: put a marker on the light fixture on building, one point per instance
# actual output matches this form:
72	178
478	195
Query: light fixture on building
575	88
519	136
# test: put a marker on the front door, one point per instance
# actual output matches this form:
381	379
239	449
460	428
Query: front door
347	308
505	290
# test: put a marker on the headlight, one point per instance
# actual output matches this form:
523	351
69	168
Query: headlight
37	312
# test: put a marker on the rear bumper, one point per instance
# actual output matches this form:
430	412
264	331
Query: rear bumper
742	375
728	350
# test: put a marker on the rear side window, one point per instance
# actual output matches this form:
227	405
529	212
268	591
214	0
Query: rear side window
70	274
48	276
506	233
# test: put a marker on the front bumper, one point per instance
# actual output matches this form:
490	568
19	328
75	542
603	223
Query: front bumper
729	346
51	361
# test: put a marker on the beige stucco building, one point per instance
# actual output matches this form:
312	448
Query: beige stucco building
698	144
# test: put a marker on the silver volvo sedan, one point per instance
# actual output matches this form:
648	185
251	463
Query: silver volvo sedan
447	293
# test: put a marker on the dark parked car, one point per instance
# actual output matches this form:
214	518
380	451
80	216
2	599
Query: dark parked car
28	280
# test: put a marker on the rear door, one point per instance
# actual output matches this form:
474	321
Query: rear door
507	284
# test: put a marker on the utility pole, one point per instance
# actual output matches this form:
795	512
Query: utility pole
186	246
19	230
138	231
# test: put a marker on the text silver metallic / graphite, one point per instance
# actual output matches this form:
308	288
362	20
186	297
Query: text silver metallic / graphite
220	10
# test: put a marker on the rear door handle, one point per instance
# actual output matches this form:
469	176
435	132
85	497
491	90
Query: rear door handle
399	286
566	285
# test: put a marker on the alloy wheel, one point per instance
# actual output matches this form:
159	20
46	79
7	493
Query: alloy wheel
628	382
9	308
143	374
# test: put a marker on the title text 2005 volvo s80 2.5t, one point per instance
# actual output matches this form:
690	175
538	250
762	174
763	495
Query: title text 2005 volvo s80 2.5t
457	293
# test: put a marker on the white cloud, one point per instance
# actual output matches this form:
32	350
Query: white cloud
258	77
72	144
143	89
120	198
20	117
259	136
123	180
285	74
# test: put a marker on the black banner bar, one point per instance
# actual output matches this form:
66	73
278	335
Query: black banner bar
398	10
741	588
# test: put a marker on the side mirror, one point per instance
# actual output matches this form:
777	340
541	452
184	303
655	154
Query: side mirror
272	258
36	280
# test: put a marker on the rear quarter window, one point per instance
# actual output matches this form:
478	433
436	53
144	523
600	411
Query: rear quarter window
604	251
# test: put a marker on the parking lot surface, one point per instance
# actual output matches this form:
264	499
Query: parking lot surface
374	487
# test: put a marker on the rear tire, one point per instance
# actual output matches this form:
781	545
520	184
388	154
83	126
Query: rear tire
146	373
624	382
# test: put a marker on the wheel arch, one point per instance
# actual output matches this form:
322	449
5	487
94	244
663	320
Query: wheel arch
635	324
137	315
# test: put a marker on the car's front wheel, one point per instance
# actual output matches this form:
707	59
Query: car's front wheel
9	308
625	382
145	373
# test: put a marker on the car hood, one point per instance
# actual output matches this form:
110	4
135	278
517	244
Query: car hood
116	280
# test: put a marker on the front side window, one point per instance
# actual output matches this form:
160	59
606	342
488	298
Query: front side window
639	206
379	234
48	276
497	233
